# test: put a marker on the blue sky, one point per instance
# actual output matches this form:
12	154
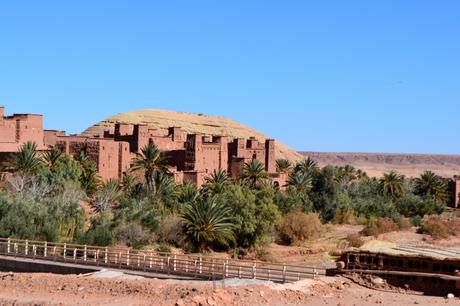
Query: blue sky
368	76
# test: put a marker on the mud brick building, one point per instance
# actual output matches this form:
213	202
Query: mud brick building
20	128
190	157
454	189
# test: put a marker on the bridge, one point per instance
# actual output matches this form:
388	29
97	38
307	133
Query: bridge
149	263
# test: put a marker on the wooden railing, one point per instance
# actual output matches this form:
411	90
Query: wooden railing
199	267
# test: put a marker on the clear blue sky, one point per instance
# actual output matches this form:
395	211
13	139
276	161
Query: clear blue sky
369	76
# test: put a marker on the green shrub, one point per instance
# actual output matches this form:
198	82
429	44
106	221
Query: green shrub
416	220
404	223
355	240
101	231
164	248
253	213
132	234
435	227
171	230
297	227
439	228
411	205
379	226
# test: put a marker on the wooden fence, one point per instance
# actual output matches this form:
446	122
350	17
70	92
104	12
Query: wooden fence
199	267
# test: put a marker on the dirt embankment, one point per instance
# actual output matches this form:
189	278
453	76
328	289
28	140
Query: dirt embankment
375	164
47	289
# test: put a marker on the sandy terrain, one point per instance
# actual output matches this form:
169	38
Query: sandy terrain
375	164
47	289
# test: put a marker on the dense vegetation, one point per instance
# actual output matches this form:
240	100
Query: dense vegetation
56	198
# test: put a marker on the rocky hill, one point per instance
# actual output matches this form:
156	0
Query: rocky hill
190	123
375	164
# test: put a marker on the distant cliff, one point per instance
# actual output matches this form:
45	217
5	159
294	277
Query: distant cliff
375	164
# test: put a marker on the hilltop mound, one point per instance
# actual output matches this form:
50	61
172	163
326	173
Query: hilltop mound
190	123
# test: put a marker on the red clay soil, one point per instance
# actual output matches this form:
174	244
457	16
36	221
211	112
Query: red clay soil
48	289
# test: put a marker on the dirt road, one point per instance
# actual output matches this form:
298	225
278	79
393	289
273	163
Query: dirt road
48	289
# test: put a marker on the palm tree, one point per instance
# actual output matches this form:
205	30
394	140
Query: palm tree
107	195
90	180
164	185
82	158
186	193
345	175
300	182
26	161
430	184
253	172
362	176
128	182
52	157
149	161
283	166
392	185
216	182
306	166
207	222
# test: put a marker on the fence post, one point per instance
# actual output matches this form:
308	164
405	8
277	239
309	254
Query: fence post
45	252
284	273
144	263
201	264
106	256
16	248
195	264
27	248
75	254
169	259
226	268
65	250
268	274
314	273
150	260
96	256
254	275
239	272
8	248
34	248
127	257
175	263
224	273
85	253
